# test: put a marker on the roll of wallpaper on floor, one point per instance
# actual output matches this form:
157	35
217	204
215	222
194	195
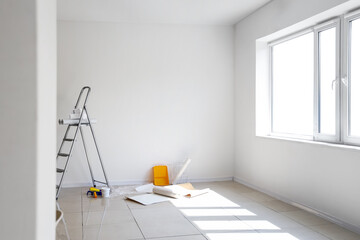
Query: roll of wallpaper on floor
169	192
182	170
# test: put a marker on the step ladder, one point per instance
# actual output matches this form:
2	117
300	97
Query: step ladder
78	124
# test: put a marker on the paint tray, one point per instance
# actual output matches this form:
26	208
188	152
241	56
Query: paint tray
161	177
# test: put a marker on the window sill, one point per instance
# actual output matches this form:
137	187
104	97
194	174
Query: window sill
325	144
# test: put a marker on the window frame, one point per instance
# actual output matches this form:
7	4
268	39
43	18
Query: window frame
336	138
347	18
270	49
341	83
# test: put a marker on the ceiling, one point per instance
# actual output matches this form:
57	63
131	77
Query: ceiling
209	12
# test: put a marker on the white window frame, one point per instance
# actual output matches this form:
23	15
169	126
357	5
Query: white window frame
347	139
340	83
270	47
335	23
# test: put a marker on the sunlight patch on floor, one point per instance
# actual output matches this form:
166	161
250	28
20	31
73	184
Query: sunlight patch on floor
250	236
207	212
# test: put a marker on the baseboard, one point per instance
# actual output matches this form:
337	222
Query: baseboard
319	213
141	182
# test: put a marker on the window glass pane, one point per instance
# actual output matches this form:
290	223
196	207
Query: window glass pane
292	86
327	74
354	79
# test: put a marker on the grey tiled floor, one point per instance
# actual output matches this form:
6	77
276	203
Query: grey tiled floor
229	211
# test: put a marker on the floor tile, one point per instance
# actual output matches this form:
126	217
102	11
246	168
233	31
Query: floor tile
74	233
100	204
190	237
73	220
106	217
279	206
208	200
216	212
302	233
122	230
70	205
258	196
250	236
305	218
70	194
335	232
157	222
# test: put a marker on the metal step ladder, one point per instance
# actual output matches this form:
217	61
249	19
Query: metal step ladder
78	124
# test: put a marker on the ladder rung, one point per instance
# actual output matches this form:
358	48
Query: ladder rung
75	125
63	154
59	170
68	139
100	182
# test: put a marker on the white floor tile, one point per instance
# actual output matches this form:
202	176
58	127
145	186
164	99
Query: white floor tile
167	222
75	233
335	232
305	218
190	237
100	204
122	230
106	217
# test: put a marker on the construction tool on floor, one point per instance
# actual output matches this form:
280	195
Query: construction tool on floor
79	119
94	192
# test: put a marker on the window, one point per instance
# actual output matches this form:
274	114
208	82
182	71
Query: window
314	87
354	77
292	86
327	88
351	78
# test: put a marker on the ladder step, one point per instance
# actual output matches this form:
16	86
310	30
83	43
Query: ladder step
57	186
59	170
63	154
100	182
68	139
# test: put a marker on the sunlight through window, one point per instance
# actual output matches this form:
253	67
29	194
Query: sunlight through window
261	225
236	225
216	212
209	200
222	225
251	236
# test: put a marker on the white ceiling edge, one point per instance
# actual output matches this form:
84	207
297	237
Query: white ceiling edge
202	12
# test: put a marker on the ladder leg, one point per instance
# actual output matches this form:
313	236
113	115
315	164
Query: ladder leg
87	156
97	148
68	157
60	148
62	143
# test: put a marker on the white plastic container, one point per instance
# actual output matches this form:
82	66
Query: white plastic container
105	192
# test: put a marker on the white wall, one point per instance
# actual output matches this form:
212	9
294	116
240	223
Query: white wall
27	123
322	177
160	93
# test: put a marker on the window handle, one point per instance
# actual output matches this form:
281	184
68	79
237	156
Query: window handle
345	80
335	81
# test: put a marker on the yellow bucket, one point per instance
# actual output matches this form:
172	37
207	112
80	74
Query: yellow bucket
161	177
